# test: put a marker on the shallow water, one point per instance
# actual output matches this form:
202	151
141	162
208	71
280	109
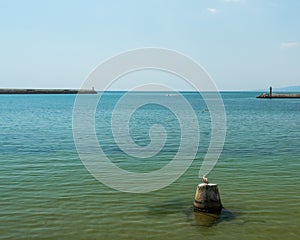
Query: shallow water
47	193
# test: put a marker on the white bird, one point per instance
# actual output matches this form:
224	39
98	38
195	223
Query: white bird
205	179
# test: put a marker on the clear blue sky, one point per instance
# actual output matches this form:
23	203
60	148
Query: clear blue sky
243	44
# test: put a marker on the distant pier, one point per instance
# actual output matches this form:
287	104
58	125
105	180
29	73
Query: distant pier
47	91
278	95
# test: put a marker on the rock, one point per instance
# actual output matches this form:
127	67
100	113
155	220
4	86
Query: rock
207	199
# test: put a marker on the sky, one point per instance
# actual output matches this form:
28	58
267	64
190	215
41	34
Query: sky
242	44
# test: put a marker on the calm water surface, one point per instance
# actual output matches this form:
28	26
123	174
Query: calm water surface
47	193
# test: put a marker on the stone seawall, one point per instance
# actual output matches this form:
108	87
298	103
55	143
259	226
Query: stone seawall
47	91
279	95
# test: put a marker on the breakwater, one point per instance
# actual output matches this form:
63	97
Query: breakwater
47	91
278	95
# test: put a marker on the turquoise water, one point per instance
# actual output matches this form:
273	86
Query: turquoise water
47	193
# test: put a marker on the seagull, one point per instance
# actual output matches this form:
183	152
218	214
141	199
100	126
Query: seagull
205	179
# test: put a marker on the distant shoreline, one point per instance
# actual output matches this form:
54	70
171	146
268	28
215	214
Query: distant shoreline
46	91
93	91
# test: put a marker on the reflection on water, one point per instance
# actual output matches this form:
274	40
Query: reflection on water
209	219
206	219
179	206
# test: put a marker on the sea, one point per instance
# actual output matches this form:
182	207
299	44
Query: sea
48	192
